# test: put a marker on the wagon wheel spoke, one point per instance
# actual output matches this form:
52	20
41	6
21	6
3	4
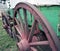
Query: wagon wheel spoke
21	34
39	43
26	22
32	30
16	21
21	21
20	26
18	37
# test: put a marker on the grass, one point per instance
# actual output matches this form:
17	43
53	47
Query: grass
6	43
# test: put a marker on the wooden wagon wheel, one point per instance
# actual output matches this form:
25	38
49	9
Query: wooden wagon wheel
7	25
30	36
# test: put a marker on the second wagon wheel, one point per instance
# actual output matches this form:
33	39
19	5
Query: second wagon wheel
37	35
7	24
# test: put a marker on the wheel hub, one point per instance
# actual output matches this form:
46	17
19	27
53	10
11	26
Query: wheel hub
23	45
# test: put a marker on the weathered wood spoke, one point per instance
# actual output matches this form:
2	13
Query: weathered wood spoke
20	32
39	43
21	21
32	30
16	21
26	22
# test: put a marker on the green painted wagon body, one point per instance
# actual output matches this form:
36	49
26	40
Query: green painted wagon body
52	14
